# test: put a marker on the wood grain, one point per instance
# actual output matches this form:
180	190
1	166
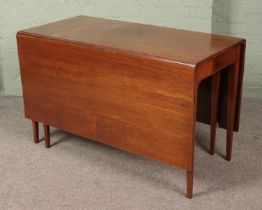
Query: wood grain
114	100
169	44
132	86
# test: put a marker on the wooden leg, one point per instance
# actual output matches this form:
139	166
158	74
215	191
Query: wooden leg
35	131
47	135
189	177
231	105
214	108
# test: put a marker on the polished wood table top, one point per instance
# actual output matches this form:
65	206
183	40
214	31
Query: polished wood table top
173	45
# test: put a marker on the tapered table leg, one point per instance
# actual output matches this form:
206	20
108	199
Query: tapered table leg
214	109
47	135
189	177
231	105
35	131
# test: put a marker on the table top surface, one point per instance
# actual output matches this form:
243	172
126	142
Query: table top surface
173	45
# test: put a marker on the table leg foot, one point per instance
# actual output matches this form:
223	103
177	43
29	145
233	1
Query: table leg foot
214	109
47	135
229	147
35	131
189	176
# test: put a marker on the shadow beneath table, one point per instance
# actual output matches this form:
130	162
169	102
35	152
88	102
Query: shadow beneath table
134	166
215	172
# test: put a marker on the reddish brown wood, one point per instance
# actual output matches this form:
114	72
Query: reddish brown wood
231	104
214	110
47	135
128	85
174	45
217	63
112	95
35	131
189	177
240	85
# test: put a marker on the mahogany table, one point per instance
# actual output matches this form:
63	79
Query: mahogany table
139	88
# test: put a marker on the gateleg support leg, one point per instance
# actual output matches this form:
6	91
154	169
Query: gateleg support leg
35	131
189	177
47	135
214	110
232	85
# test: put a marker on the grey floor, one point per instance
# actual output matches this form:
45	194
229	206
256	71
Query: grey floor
79	174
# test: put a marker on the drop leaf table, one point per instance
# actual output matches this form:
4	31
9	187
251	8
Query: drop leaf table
136	87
